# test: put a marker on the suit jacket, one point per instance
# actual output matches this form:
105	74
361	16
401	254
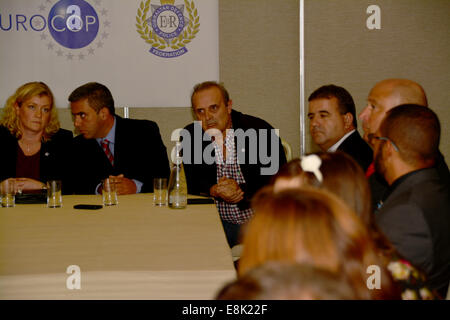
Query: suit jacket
416	219
54	157
358	149
201	177
139	153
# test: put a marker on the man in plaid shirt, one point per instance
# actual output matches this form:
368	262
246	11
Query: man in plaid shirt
222	165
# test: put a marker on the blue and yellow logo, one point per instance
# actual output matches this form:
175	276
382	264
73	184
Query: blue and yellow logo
75	25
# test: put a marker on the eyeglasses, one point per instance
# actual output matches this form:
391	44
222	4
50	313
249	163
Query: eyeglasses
372	136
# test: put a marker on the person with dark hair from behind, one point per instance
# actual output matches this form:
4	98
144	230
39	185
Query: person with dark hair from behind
313	226
333	126
384	96
341	175
34	147
414	214
276	280
131	151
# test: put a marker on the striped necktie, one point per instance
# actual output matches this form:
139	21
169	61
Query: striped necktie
109	155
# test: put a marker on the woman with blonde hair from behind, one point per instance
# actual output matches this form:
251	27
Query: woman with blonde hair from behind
34	148
315	227
340	174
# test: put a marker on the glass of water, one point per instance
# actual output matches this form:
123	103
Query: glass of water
160	195
54	195
7	193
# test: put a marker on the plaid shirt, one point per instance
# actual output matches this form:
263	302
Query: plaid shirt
230	212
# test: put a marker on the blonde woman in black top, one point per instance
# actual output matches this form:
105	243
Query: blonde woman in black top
34	147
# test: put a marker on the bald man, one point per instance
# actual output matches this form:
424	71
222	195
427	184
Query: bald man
384	96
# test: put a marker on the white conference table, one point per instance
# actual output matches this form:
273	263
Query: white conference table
130	251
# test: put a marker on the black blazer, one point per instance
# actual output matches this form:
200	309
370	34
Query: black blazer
358	149
139	153
54	157
416	219
201	177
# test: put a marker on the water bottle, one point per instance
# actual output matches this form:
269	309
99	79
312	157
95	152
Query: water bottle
177	182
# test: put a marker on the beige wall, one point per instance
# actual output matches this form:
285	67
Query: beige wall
413	43
259	63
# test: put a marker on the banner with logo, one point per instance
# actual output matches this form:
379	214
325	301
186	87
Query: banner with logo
149	53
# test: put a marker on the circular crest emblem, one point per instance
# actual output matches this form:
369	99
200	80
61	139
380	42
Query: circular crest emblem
171	21
167	29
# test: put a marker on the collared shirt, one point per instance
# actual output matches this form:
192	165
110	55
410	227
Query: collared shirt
335	146
230	168
111	137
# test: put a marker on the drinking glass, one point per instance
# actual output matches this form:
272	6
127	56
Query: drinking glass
109	192
7	193
160	192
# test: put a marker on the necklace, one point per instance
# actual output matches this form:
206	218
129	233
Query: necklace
27	146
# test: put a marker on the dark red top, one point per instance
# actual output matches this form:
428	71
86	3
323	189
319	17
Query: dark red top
28	166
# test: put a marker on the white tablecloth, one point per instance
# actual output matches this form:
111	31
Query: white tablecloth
130	251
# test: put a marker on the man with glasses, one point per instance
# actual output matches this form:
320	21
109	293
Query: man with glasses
414	213
131	151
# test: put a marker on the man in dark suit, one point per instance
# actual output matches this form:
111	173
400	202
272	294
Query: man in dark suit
230	155
332	124
129	150
415	211
384	96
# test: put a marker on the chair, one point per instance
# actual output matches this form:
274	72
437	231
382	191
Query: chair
287	149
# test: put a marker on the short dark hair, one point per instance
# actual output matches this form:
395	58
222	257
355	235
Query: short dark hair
416	131
344	98
98	96
210	84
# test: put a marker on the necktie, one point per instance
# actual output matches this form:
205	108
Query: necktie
370	170
109	155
